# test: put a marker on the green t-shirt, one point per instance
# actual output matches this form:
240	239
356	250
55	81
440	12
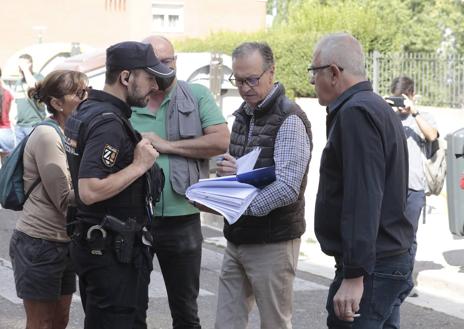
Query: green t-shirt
29	112
145	121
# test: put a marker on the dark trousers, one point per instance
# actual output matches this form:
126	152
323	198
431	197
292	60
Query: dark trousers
178	242
114	295
382	289
414	204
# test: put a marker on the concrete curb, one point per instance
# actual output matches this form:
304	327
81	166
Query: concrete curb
441	290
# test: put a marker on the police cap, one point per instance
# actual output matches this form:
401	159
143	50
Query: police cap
136	55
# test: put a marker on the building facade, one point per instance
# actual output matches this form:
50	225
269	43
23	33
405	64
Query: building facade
99	23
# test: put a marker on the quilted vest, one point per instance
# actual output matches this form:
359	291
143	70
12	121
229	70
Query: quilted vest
284	223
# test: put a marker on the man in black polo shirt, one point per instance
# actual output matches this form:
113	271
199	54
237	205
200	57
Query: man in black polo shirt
108	162
359	213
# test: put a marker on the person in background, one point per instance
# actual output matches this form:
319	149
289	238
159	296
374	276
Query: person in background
420	129
7	140
360	204
28	111
185	125
262	250
39	247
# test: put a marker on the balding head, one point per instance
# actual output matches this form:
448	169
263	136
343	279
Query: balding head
164	49
337	65
343	50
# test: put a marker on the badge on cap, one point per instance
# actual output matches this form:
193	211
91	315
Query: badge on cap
109	155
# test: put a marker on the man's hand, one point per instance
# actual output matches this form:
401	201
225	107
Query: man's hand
161	145
346	300
409	105
226	165
145	155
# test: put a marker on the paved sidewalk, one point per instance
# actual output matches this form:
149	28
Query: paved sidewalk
439	262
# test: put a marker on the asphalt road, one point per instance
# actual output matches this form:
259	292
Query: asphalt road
309	303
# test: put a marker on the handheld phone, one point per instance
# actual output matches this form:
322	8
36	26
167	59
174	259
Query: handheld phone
396	101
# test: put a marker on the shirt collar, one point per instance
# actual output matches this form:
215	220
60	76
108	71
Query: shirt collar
340	100
103	96
249	110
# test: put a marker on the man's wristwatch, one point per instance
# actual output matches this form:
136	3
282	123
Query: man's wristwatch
415	114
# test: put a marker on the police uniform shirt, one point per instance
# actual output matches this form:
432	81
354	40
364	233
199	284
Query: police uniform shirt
108	148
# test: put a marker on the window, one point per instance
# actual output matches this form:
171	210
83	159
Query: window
167	17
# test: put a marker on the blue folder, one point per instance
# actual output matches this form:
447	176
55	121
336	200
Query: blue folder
259	177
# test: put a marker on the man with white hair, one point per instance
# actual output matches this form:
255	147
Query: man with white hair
359	213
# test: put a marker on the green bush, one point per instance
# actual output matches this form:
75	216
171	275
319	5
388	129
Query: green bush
386	26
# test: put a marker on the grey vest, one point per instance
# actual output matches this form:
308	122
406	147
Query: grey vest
183	122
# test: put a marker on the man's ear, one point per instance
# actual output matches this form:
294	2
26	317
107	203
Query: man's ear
272	71
124	76
335	73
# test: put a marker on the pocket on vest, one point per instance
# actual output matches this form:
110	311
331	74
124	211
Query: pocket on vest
189	121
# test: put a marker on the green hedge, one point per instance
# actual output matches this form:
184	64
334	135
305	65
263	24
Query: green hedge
377	25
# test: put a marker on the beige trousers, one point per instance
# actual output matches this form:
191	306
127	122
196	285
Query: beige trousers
261	273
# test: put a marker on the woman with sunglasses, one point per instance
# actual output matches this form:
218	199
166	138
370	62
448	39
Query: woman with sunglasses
44	276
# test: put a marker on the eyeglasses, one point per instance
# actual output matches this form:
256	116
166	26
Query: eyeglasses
312	70
250	81
168	60
81	93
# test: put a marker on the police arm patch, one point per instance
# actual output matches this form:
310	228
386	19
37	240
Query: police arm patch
109	155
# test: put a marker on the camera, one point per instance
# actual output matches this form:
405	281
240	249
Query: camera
395	101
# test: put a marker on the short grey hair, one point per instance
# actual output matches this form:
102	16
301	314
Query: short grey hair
247	48
341	49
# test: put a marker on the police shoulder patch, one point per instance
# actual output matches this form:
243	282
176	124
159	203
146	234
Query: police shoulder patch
109	155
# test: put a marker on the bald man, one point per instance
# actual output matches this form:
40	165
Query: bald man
186	126
360	205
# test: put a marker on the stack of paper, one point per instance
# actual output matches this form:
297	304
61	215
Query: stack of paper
231	195
228	197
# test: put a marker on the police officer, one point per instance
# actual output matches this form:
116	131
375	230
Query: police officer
109	162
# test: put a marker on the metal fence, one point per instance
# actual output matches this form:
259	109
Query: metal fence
439	80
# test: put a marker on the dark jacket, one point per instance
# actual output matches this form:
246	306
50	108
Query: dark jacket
284	223
359	213
100	111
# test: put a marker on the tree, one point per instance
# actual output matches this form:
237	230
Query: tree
386	26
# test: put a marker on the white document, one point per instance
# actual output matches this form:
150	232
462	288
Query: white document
229	198
225	194
248	161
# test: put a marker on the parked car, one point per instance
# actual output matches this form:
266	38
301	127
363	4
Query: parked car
46	57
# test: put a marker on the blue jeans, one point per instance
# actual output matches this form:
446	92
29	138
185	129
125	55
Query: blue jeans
21	132
7	140
414	204
388	284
